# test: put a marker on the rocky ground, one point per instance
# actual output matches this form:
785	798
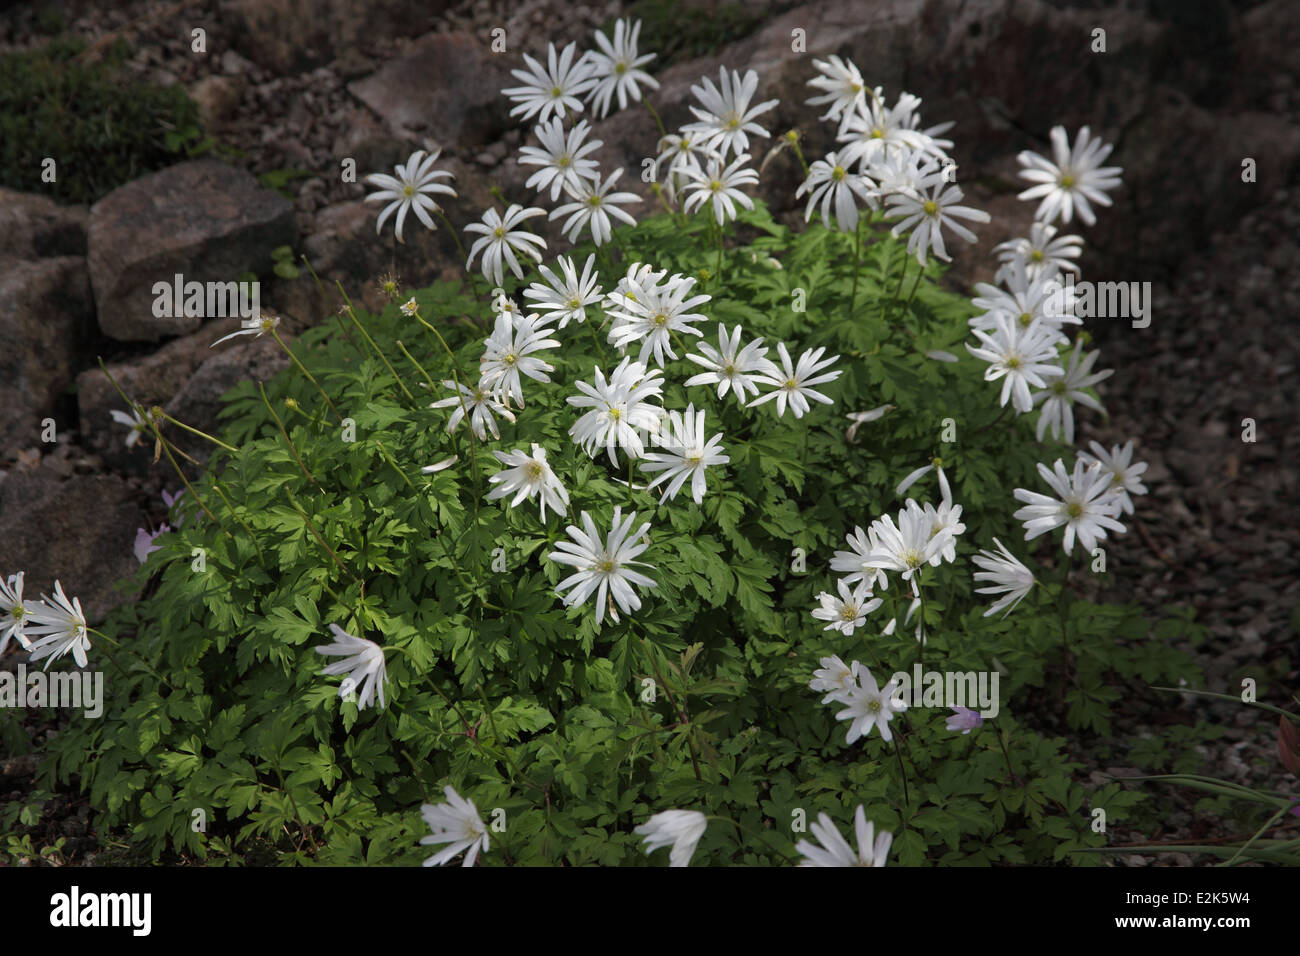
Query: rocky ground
1187	91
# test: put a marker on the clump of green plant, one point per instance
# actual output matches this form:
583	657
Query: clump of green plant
678	31
99	129
222	735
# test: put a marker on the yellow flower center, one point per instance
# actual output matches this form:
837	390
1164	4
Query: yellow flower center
607	565
660	319
1074	510
556	92
1067	181
620	68
562	162
1013	362
1037	255
534	470
848	612
837	173
408	190
715	185
930	207
499	232
1025	318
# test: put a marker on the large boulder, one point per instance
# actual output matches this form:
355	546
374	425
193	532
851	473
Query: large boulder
34	226
47	321
203	220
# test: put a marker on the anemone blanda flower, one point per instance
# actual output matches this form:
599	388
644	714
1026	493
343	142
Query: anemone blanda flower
844	90
873	132
946	520
721	188
57	626
1019	355
908	546
964	719
478	402
501	240
835	850
830	181
618	409
725	118
869	706
855	564
651	312
457	824
134	421
936	465
680	829
730	366
838	679
1064	390
14	611
1006	575
555	88
263	325
1042	254
592	205
362	662
1074	181
686	454
616	68
932	208
529	476
849	610
561	157
793	384
411	190
508	354
1082	505
681	155
605	566
1025	300
1123	470
565	297
144	546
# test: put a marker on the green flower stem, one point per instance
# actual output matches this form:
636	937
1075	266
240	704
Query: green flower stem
158	412
857	265
898	752
460	248
320	287
287	440
302	368
1258	833
792	137
655	113
352	314
464	410
321	541
217	487
681	710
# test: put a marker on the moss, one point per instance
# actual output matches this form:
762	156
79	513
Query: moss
679	31
101	128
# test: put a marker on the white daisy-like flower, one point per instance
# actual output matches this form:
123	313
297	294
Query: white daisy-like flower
560	157
1124	472
135	421
1074	181
686	455
1043	254
508	354
681	156
908	546
651	312
618	410
849	610
835	850
263	325
721	188
14	612
529	476
483	409
556	88
793	385
855	565
830	181
1024	299
863	418
411	190
680	829
605	567
363	663
1082	504
409	307
501	240
1007	576
592	205
843	86
1019	355
869	705
945	520
838	679
899	170
1067	388
617	68
457	824
730	366
873	132
936	465
58	626
727	119
932	207
565	297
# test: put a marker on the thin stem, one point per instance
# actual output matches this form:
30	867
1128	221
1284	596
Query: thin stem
857	260
898	751
157	411
302	368
287	440
655	113
319	540
383	358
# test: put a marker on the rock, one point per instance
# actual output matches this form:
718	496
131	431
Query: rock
79	531
34	226
204	220
447	86
46	323
216	97
292	36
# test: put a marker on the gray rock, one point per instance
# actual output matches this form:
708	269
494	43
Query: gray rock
447	87
80	531
46	323
204	220
33	226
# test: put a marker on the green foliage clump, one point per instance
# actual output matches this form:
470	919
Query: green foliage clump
567	733
679	31
100	129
